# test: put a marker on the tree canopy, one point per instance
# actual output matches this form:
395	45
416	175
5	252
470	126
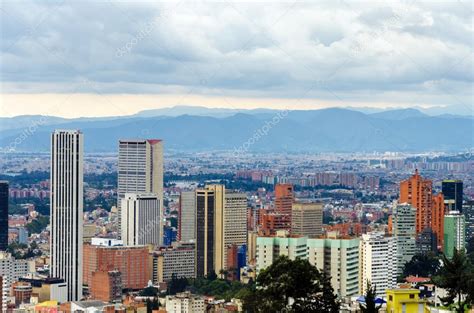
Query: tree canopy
424	265
291	286
457	277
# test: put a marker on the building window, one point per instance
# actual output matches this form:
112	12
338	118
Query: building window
412	296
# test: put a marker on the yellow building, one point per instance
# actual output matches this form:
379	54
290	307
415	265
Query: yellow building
405	301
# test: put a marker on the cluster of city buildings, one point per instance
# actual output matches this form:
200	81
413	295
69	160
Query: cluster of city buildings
219	232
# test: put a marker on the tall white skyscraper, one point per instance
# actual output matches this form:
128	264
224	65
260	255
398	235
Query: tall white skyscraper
378	262
404	231
141	219
140	168
66	202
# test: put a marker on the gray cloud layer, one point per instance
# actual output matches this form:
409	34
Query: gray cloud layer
408	52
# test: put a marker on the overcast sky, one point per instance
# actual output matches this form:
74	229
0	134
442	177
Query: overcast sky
119	57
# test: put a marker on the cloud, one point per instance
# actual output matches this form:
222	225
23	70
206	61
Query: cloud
414	53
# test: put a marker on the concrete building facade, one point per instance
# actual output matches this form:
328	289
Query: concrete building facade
307	219
377	262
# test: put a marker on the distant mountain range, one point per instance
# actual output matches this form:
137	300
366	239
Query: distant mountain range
260	130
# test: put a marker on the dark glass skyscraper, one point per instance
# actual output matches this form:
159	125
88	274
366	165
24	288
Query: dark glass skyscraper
452	191
3	215
204	232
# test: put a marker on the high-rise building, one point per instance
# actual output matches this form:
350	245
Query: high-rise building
140	168
235	226
270	248
453	193
404	232
338	257
141	219
284	200
377	262
230	223
131	261
454	233
187	216
418	192
67	150
468	211
307	219
3	215
205	199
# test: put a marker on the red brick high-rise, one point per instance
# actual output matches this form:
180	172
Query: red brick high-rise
418	192
284	199
131	262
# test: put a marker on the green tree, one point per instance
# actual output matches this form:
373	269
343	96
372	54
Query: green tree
370	295
149	291
424	265
177	284
457	277
291	286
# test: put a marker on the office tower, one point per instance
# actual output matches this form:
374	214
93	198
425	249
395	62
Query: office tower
454	233
140	168
11	270
177	259
204	232
453	193
377	262
404	232
105	255
468	211
187	216
338	257
270	248
235	225
284	200
230	218
3	215
66	184
307	219
141	219
418	192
